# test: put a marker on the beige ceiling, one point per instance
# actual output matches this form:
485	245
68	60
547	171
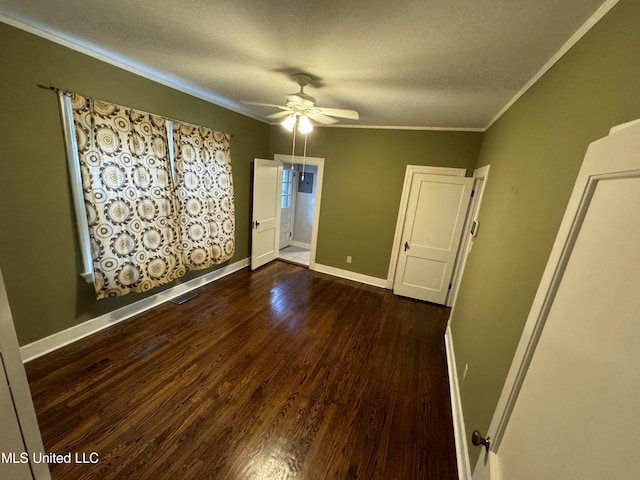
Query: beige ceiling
409	63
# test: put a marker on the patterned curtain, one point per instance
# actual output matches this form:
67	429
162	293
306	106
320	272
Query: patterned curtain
204	195
129	197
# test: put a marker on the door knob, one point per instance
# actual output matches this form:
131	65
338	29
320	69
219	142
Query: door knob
406	246
477	439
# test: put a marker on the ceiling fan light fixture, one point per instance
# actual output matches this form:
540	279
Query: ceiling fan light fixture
289	123
304	125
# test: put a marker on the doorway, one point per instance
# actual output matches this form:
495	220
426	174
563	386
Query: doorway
297	212
469	231
431	217
300	208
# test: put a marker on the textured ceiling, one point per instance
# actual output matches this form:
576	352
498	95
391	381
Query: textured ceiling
423	63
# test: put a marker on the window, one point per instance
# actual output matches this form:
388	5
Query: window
153	196
287	188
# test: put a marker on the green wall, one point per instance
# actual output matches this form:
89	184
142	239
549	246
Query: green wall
39	257
38	246
535	151
363	178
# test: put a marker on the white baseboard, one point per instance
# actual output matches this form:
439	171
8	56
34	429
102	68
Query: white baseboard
459	430
65	337
296	243
356	277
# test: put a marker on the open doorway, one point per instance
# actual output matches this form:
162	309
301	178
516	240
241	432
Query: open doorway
299	208
297	211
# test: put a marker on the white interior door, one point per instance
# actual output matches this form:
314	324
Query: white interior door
436	211
267	191
20	438
570	406
287	206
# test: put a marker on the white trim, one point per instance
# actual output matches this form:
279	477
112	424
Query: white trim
356	277
622	126
581	32
459	430
467	240
296	243
19	394
128	65
172	152
402	210
175	83
598	162
395	127
318	162
65	337
75	179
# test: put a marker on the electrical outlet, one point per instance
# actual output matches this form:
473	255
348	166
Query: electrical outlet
466	369
349	259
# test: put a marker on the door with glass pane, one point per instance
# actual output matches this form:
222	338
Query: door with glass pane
287	206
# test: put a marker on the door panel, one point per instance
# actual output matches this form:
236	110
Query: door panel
267	188
435	215
423	272
574	410
595	311
287	207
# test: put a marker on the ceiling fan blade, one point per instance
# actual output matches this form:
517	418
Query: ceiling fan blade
322	119
277	115
340	112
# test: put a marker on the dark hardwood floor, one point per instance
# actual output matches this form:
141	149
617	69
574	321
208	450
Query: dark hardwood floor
281	373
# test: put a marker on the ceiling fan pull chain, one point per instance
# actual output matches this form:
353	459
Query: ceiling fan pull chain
304	155
293	150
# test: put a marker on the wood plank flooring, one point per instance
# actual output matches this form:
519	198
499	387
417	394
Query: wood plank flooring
281	373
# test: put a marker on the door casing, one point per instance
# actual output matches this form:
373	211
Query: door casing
480	177
410	171
603	161
319	162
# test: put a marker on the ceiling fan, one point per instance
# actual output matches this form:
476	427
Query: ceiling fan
301	107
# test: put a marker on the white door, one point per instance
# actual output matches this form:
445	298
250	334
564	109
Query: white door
287	207
570	406
11	442
436	211
20	440
267	188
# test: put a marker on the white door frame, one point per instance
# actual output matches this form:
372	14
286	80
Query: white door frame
545	295
19	390
466	244
318	162
410	171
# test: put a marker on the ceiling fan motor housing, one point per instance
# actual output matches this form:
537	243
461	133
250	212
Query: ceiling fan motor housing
300	101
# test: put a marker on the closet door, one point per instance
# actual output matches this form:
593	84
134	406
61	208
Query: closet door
436	212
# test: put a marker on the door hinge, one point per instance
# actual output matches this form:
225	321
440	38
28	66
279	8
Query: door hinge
450	285
473	192
289	233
